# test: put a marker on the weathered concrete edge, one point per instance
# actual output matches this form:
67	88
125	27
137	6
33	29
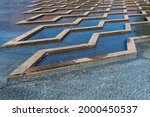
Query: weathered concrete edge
130	45
131	51
84	15
20	40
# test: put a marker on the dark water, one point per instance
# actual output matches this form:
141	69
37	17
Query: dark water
120	80
95	14
66	20
53	32
105	45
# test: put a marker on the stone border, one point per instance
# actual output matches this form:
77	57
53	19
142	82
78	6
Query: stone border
19	41
31	20
27	67
85	16
52	9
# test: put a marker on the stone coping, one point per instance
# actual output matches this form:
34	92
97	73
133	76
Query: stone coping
28	66
31	20
39	10
21	40
84	16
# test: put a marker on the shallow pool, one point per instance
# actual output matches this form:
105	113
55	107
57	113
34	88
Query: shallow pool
53	32
127	79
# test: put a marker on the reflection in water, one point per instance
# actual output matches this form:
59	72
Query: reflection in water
142	30
104	45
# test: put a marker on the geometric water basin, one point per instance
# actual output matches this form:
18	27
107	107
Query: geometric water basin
118	44
46	33
105	45
53	32
59	51
91	31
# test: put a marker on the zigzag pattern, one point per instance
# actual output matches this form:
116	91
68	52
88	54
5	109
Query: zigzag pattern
19	40
47	8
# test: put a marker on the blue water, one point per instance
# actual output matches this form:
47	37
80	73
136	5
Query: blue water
53	32
9	15
118	80
73	38
104	45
